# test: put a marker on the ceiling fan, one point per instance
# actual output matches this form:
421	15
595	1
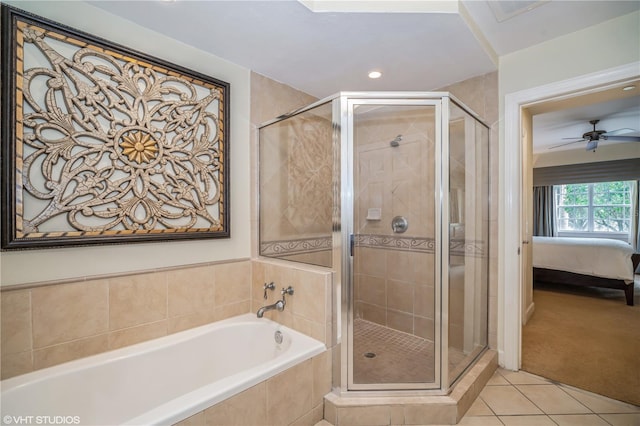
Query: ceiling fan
594	136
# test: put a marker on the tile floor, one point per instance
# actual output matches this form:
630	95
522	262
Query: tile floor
523	399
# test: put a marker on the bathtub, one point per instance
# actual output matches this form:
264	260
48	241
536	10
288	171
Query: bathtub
161	381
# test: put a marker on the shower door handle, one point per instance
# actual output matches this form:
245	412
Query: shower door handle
351	243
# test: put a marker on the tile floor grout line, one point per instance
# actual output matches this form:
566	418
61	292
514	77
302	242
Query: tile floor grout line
576	399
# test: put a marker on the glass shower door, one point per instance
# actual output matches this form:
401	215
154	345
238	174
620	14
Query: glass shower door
394	323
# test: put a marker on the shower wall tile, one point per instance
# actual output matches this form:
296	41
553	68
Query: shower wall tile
400	296
372	290
58	322
400	321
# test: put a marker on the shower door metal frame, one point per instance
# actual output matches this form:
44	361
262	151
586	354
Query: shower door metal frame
440	101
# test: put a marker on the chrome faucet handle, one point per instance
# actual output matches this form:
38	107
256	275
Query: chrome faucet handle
271	286
285	291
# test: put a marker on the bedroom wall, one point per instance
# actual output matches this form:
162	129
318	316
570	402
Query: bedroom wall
604	152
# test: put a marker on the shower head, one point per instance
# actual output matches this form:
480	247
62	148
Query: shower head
396	142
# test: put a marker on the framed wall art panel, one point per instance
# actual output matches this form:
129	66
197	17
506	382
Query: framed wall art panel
102	144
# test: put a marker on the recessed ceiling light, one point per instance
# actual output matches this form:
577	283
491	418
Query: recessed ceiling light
375	74
627	88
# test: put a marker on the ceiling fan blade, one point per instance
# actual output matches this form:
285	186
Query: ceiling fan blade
581	138
566	143
621	138
628	129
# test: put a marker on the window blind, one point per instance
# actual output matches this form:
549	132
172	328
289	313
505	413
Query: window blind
603	171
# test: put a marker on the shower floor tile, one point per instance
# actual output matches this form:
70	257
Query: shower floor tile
385	355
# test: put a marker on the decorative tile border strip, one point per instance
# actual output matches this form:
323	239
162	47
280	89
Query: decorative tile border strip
425	245
302	245
458	247
475	248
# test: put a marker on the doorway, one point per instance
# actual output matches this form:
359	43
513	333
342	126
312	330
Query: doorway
511	285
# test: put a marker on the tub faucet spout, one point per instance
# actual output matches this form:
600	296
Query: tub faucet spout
279	305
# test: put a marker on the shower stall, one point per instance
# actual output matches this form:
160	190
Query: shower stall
391	191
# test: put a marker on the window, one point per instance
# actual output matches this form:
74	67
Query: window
593	209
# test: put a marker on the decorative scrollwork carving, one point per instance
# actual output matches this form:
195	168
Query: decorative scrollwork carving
113	144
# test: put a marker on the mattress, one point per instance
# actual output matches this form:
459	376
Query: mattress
598	257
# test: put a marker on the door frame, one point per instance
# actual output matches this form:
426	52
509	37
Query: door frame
510	285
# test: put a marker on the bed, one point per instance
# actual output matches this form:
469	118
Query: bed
593	262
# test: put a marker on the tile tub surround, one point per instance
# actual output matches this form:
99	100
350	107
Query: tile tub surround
50	324
293	397
413	410
308	310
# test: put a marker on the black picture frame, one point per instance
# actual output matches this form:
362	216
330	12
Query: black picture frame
165	157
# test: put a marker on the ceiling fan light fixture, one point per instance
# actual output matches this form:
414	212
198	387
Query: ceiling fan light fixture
592	145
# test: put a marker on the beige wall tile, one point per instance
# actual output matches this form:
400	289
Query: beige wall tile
330	412
16	364
429	413
424	327
62	313
309	296
232	310
400	321
321	376
289	394
141	333
190	290
16	321
53	355
137	299
310	328
372	290
233	282
400	296
363	416
248	408
311	418
424	304
177	324
197	419
374	313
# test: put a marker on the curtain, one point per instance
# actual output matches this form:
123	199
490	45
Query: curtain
543	222
634	231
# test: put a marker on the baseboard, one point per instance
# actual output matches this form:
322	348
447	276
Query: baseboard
529	312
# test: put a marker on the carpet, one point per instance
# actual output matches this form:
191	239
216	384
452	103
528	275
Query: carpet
585	337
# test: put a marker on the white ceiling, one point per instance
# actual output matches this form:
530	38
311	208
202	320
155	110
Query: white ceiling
322	53
620	116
